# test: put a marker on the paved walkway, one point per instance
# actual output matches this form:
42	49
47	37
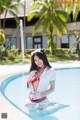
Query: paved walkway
9	70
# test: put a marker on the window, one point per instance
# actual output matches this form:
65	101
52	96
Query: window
29	42
65	41
45	41
11	42
37	42
72	41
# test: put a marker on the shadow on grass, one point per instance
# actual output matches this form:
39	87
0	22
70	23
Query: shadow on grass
51	58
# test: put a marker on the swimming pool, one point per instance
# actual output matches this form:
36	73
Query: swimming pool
66	92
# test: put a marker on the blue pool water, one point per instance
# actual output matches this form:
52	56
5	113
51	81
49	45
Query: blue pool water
66	92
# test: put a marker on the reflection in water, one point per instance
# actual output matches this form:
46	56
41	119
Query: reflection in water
46	115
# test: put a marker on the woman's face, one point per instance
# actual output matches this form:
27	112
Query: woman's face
38	62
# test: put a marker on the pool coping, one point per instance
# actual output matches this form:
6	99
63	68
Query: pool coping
12	112
6	107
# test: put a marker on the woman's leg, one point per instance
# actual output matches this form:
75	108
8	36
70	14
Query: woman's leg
42	106
53	107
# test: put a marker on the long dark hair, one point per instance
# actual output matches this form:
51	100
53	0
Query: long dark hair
40	53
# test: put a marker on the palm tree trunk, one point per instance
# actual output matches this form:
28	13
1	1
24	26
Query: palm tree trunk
0	21
4	19
51	39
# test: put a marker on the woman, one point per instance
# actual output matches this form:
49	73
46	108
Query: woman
41	79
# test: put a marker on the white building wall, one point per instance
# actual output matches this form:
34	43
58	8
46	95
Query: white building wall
58	43
72	27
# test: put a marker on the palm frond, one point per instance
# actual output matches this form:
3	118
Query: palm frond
63	15
76	10
69	8
35	5
15	16
33	15
38	25
59	25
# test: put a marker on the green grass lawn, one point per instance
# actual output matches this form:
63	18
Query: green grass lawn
51	58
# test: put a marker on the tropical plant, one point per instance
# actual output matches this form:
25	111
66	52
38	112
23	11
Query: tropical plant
5	4
11	7
2	38
51	20
8	6
72	7
77	36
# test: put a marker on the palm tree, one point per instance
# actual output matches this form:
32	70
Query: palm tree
7	5
73	8
52	18
13	9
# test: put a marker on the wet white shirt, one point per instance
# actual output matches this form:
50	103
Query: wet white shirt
45	78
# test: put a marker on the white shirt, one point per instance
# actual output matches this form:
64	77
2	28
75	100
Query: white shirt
45	78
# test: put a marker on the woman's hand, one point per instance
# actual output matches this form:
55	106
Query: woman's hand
50	90
36	96
43	94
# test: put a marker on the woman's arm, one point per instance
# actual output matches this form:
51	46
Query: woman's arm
50	90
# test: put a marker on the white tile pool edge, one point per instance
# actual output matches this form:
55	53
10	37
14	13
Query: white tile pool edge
6	107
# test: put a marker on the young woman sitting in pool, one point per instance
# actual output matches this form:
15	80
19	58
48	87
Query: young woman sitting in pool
41	79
